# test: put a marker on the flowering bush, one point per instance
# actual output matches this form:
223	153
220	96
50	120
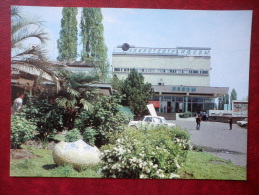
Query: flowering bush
155	153
21	130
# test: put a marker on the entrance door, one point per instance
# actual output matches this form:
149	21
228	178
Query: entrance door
169	107
179	107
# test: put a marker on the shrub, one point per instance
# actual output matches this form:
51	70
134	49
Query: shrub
89	135
106	118
186	115
21	130
72	135
155	153
47	116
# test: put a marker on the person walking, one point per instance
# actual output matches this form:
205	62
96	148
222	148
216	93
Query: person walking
198	122
17	105
230	121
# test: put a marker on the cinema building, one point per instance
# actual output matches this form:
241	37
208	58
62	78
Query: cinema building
180	76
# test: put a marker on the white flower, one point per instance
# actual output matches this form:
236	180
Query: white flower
142	176
174	176
176	163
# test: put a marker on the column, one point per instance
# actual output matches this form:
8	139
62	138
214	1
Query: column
186	103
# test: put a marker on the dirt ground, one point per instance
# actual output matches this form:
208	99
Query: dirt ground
26	154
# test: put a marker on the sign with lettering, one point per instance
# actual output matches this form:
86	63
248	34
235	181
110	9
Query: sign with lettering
166	51
184	89
155	103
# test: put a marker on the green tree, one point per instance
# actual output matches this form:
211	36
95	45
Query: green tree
94	48
223	100
233	96
116	83
67	43
70	98
137	92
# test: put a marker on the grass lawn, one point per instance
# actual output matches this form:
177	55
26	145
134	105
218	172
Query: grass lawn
202	165
199	165
44	166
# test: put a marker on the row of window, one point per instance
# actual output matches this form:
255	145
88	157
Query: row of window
183	99
163	71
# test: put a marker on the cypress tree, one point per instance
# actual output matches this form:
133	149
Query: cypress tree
94	48
67	43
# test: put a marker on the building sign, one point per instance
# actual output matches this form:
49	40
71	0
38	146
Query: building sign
155	103
184	89
193	52
153	51
166	51
240	108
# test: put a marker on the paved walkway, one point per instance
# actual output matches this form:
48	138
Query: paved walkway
217	139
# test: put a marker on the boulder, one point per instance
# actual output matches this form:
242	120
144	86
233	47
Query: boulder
78	154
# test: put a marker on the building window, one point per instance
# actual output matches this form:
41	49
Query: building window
185	71
178	71
204	72
117	69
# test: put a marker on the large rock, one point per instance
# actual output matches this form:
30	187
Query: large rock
78	154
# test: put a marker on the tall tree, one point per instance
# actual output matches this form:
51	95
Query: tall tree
137	92
233	96
94	48
67	43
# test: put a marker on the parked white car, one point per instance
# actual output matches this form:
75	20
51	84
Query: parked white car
150	120
243	122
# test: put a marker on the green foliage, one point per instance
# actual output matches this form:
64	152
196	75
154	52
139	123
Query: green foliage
137	92
72	135
105	118
71	99
64	171
24	28
46	115
89	135
116	82
67	43
233	95
198	148
94	48
186	115
155	153
21	130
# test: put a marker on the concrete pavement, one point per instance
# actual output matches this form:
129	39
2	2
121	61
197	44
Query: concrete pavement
217	139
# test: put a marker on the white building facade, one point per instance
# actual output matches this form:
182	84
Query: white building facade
180	76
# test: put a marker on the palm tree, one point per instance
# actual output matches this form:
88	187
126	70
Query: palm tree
69	96
30	60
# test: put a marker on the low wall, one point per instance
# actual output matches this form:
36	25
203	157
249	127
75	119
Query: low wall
224	119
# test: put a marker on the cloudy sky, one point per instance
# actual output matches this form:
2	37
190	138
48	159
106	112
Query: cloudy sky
227	33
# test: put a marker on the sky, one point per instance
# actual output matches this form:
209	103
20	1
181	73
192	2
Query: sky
227	33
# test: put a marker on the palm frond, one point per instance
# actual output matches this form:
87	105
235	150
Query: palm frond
86	104
74	93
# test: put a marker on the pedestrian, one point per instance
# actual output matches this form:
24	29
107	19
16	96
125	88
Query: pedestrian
207	116
17	105
230	121
198	122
